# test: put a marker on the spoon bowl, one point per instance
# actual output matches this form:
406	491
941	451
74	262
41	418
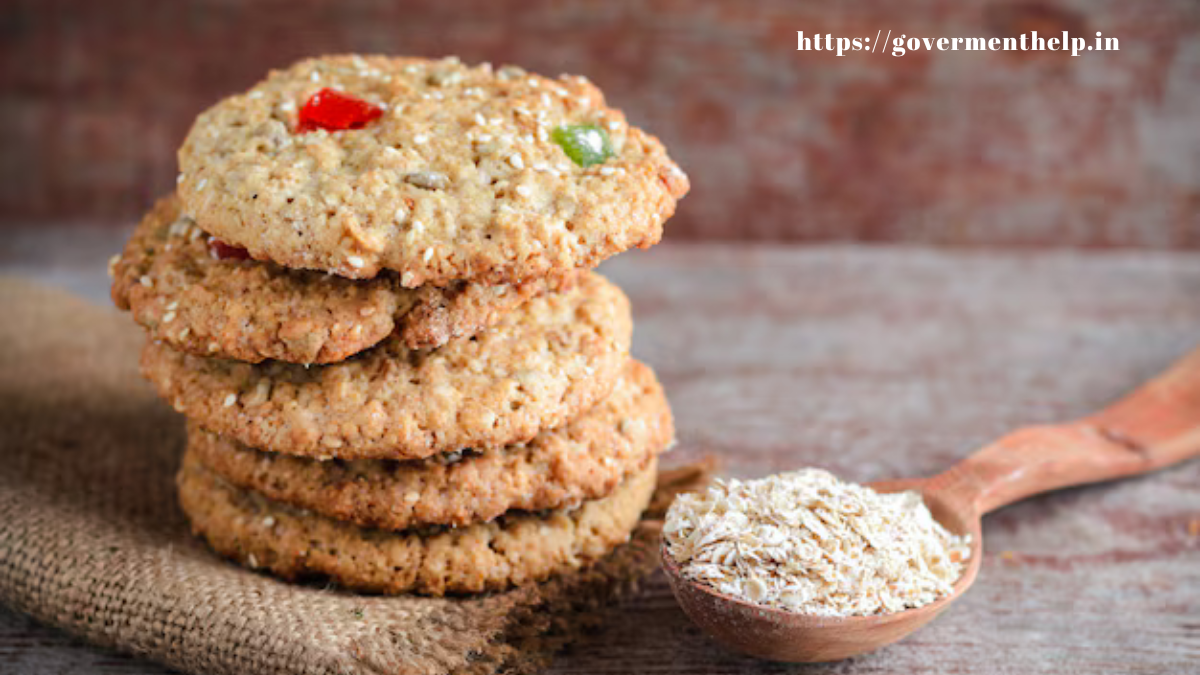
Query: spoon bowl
780	635
1155	426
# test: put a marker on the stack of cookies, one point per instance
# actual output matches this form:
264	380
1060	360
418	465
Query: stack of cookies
372	298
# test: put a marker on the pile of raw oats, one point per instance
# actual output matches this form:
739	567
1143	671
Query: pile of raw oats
808	543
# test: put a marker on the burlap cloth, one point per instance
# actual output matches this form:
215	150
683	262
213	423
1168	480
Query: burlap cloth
91	539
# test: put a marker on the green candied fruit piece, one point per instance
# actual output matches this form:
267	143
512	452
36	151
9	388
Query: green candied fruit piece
585	144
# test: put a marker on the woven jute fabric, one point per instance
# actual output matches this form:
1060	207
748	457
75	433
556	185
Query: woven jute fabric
92	541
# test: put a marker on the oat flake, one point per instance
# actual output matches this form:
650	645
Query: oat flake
807	542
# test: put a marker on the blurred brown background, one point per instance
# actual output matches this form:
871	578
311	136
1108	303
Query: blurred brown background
1030	149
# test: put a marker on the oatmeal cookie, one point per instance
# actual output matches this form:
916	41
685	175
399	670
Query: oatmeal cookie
191	294
539	366
517	548
584	459
439	172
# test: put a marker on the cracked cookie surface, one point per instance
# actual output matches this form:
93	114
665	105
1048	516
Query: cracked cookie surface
186	296
459	178
540	365
584	459
515	549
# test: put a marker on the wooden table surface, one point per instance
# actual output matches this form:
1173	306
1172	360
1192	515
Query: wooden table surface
876	362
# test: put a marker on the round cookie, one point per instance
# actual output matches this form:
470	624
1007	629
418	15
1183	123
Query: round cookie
584	459
515	549
185	296
459	178
540	365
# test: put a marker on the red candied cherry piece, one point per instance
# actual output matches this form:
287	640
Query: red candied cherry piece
222	251
332	110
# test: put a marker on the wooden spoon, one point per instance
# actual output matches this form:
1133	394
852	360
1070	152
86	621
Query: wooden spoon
1155	426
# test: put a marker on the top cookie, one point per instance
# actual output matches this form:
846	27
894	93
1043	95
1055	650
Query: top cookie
458	177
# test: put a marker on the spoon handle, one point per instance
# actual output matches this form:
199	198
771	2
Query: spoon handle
1156	425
